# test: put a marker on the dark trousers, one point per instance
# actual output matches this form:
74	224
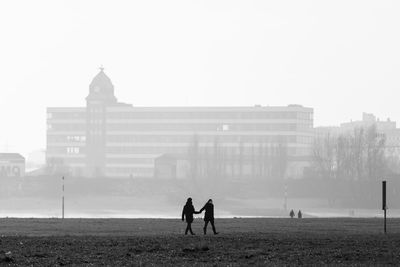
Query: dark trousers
212	225
189	228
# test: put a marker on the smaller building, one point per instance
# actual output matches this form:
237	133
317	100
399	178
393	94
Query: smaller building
12	165
369	119
386	127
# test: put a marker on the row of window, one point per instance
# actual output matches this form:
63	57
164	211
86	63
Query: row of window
65	150
209	150
183	150
108	160
212	115
67	127
66	115
208	138
74	138
96	109
208	127
130	160
130	171
73	150
256	114
186	138
68	160
66	138
186	127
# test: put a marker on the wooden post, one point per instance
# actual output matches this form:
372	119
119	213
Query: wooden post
384	206
62	197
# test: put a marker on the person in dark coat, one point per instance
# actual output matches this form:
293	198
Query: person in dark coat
208	216
187	212
291	214
299	214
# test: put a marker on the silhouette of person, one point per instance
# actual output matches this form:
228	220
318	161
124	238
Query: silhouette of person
299	214
208	216
188	211
291	214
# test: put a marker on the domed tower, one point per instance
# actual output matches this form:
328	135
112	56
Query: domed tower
101	95
101	89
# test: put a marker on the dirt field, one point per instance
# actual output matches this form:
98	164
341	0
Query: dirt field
121	242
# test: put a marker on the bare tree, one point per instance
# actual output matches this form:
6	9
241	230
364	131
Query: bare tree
193	153
357	155
324	156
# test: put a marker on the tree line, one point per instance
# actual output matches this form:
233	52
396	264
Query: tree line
358	155
262	159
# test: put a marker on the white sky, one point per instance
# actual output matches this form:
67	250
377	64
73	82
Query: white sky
339	57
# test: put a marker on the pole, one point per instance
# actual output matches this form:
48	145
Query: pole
384	206
384	227
62	198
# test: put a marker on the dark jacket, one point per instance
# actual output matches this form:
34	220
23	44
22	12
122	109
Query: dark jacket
209	215
188	211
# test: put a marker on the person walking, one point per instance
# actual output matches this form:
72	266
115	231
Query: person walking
187	212
291	214
299	214
209	216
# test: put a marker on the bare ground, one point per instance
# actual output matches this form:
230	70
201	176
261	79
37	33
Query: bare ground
122	242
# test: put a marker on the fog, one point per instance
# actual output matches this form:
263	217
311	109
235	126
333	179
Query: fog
264	107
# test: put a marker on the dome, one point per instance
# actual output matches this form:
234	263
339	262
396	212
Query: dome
101	82
101	88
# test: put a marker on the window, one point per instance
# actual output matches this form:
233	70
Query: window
76	138
72	150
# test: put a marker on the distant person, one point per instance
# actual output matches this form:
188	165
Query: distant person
187	212
209	216
291	214
299	214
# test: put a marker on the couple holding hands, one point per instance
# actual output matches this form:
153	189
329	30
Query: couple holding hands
188	211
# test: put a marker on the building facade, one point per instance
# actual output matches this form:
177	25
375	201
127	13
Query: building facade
113	139
12	165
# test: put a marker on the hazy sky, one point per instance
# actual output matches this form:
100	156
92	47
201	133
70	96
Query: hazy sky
339	57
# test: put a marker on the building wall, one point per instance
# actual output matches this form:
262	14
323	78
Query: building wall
12	165
135	136
66	139
108	138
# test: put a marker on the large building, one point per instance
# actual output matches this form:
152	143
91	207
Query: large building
113	139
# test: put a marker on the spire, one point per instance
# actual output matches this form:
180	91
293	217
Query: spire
101	67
